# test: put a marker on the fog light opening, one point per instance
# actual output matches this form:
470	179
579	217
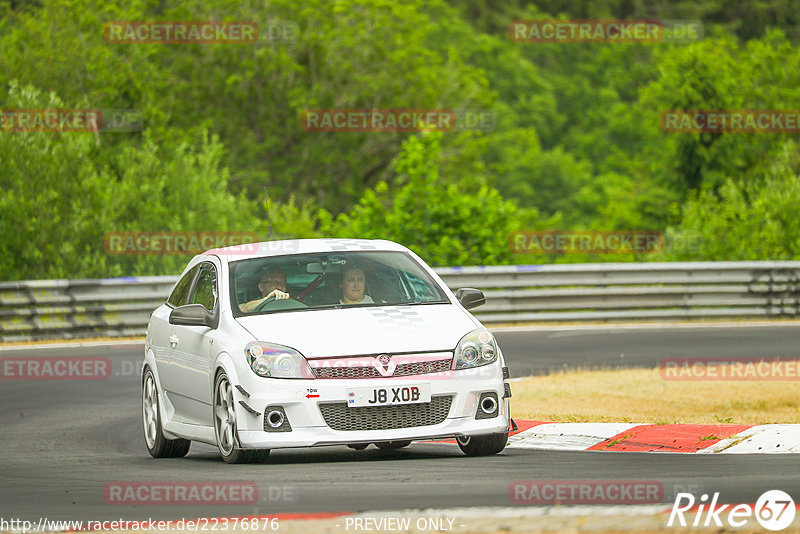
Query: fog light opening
275	419
489	405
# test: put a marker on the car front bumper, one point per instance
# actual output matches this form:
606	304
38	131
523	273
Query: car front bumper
301	401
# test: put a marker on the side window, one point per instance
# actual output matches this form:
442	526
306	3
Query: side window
181	291
205	290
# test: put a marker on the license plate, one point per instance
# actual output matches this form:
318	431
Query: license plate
388	396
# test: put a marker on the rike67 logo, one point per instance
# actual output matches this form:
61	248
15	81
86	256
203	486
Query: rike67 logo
774	510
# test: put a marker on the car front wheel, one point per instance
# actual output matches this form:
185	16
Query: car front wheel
157	445
225	426
483	445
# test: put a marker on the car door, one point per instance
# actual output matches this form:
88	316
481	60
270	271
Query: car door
190	364
158	330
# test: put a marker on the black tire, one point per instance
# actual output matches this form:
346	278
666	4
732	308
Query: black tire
390	445
229	447
246	456
483	445
358	446
255	456
157	445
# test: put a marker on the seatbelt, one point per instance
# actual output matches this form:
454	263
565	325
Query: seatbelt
310	287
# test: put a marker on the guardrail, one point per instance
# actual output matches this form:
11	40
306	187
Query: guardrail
65	309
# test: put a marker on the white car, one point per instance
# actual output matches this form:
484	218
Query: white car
357	342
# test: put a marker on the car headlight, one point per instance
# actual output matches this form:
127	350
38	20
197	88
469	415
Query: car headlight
475	349
276	361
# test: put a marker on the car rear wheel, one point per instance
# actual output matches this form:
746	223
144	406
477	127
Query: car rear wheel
358	446
483	445
388	445
157	445
225	429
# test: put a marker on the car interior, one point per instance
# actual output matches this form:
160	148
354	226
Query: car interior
315	281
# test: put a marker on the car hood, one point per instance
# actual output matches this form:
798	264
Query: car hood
360	331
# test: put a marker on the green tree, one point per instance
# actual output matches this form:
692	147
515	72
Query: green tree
54	203
443	224
738	222
59	202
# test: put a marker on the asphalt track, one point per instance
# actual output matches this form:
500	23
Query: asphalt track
64	441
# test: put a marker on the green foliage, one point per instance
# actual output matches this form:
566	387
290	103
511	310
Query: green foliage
343	54
151	180
58	202
739	223
445	224
53	201
575	141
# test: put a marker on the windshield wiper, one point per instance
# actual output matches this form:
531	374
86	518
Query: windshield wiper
421	302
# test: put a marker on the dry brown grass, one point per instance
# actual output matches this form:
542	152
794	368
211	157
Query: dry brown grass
642	396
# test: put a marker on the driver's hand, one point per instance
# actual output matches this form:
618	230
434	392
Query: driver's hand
278	294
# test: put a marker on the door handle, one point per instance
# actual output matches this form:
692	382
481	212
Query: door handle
173	341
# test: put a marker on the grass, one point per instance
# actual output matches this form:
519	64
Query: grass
643	396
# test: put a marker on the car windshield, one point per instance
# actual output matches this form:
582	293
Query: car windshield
330	280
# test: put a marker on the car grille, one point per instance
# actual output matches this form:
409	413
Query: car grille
339	417
404	369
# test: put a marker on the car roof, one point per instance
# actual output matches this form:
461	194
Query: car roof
302	246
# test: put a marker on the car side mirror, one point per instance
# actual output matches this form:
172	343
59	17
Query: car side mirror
470	298
193	315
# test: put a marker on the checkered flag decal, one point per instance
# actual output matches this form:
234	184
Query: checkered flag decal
349	244
398	317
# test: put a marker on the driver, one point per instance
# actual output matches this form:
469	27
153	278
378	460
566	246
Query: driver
271	284
353	285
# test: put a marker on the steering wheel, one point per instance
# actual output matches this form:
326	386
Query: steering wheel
387	294
274	304
261	306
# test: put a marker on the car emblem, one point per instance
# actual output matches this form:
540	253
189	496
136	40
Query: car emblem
384	365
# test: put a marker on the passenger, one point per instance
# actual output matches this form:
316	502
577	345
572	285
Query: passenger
353	285
272	284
